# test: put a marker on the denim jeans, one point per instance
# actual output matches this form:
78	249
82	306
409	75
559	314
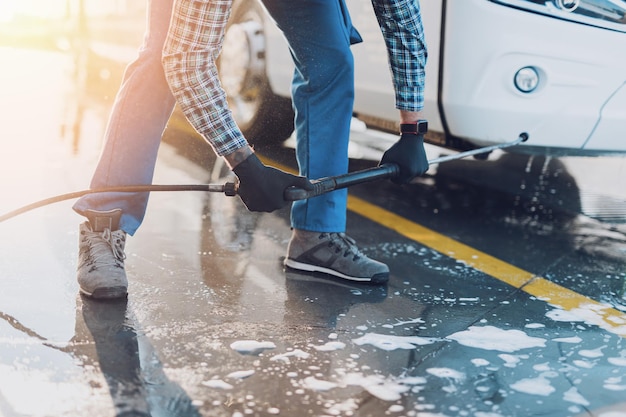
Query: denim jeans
142	107
319	33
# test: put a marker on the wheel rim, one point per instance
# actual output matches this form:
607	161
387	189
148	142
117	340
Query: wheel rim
242	70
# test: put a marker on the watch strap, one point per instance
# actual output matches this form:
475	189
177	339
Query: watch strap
417	128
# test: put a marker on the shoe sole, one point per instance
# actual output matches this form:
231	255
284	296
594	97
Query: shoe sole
106	293
381	278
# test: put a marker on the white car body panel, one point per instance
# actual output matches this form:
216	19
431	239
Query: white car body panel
578	107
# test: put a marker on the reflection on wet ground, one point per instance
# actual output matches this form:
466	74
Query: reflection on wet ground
214	326
548	200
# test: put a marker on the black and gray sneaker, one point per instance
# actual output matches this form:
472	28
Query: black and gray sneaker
100	272
334	254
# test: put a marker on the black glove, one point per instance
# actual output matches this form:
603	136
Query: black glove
409	154
262	188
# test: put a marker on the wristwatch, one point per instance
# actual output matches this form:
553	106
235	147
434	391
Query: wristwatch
417	128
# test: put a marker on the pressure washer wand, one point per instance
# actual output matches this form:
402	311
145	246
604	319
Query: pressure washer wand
320	186
325	185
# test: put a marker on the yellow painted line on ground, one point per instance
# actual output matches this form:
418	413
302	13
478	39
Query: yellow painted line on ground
586	308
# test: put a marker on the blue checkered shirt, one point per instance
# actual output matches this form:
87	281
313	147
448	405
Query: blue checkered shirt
401	24
195	40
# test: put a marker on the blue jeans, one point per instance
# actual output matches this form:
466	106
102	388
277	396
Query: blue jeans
139	116
319	33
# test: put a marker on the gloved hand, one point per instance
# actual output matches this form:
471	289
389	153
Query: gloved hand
261	187
409	154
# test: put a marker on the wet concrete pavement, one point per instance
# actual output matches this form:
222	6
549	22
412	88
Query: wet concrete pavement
504	298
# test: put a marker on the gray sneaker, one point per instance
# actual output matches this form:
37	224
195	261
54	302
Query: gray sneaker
101	256
335	254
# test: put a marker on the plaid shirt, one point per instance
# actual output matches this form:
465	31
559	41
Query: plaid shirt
193	44
401	24
195	40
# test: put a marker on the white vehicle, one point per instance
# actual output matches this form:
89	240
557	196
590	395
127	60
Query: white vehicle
555	69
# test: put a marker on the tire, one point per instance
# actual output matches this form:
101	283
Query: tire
263	117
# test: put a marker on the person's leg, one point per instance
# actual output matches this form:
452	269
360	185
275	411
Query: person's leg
319	33
140	113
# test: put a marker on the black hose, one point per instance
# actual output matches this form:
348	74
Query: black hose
229	189
321	186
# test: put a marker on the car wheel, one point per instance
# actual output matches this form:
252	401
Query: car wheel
263	117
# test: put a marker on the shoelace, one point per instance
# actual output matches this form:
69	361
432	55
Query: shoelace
342	242
102	244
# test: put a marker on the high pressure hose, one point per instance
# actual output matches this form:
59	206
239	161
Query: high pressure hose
321	186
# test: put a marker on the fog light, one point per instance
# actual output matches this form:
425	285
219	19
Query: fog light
526	79
567	5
